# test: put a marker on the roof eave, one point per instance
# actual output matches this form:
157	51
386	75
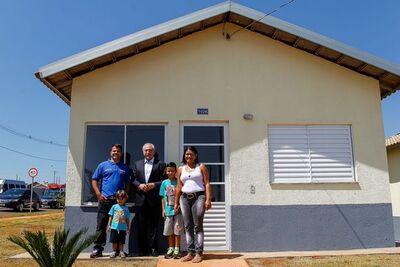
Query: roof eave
63	71
316	38
58	92
132	39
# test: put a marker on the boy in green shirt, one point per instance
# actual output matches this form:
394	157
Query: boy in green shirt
173	226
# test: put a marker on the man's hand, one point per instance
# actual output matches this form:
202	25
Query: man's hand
147	187
151	186
100	197
108	228
143	187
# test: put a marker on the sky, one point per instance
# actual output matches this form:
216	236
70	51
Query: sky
36	33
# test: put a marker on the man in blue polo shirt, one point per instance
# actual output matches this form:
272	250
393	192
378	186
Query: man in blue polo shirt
110	176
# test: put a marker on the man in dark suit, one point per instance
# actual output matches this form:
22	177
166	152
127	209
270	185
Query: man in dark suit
148	174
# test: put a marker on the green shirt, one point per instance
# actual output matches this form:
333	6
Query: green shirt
167	191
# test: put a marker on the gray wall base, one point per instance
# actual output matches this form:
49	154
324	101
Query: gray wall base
77	218
311	227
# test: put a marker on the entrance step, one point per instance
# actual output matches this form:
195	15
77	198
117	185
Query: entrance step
209	261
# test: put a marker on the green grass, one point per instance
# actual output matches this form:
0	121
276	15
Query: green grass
14	225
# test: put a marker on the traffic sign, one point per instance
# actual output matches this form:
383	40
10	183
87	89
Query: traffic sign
33	172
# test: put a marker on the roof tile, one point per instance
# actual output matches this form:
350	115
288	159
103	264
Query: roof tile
393	141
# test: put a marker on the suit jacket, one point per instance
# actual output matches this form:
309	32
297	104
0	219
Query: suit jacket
157	175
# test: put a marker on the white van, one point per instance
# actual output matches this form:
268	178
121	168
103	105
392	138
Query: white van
6	184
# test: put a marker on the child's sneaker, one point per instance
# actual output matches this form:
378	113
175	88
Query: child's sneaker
176	254
169	253
113	254
122	254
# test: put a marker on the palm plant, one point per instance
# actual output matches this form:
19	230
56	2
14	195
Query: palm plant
62	253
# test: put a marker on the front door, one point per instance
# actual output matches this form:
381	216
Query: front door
211	142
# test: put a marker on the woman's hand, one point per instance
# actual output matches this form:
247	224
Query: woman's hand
207	204
163	214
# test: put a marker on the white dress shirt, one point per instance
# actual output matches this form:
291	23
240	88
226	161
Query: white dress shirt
148	166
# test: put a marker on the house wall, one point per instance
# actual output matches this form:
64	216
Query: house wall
393	156
279	85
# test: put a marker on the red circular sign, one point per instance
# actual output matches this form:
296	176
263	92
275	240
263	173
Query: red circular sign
33	172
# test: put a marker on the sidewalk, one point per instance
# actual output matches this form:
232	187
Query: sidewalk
232	259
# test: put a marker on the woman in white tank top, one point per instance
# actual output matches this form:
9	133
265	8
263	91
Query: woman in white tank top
193	192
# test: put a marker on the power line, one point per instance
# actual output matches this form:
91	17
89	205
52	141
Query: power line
32	156
30	137
276	9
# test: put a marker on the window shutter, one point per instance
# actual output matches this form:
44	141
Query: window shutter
331	154
289	154
301	154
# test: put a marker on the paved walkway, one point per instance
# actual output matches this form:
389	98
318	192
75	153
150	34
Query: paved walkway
210	260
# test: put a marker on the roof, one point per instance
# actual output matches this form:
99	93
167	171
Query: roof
393	141
58	76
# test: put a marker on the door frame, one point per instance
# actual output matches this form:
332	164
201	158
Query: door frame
225	125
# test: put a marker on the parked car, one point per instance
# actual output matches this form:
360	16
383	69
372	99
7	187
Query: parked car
18	199
6	184
53	198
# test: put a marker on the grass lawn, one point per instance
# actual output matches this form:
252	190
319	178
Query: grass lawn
15	223
384	260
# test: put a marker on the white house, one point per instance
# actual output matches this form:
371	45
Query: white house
289	123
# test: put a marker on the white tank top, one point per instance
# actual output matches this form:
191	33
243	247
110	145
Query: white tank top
192	181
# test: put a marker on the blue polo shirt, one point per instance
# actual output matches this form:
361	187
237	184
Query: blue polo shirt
113	177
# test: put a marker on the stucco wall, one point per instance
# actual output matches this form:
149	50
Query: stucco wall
247	74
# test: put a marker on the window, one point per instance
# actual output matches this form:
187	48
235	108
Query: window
310	154
209	142
99	139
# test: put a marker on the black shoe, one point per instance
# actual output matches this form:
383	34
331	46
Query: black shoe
154	252
96	254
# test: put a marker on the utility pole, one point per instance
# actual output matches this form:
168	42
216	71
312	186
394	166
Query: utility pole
54	176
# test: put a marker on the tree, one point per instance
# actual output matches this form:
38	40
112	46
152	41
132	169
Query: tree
62	253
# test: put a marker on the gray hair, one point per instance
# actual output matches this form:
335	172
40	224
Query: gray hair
150	145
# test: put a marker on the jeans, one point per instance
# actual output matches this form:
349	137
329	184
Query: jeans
193	215
102	221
